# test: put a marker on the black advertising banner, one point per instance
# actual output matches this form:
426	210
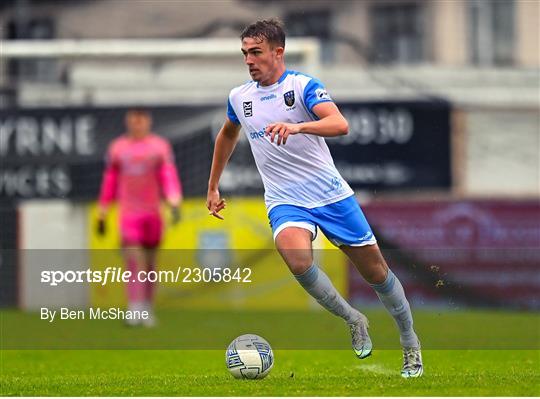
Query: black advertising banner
59	153
8	257
390	146
401	145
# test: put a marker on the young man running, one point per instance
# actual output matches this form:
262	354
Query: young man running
286	116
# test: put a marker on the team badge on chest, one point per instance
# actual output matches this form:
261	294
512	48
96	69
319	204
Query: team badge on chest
289	98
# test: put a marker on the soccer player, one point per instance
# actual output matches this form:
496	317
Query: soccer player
286	115
140	171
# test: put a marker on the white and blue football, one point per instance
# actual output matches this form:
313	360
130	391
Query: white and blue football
249	356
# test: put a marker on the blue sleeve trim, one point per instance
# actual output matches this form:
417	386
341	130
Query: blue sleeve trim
231	114
311	97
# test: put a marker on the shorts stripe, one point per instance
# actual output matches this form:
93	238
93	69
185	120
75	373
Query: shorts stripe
304	225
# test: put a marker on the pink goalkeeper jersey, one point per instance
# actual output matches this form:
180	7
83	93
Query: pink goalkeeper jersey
139	172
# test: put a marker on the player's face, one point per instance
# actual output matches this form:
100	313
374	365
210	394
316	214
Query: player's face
138	124
262	59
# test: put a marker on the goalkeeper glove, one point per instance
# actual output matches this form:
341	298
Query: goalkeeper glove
176	215
101	227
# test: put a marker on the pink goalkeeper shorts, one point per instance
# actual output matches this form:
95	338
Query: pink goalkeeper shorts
141	229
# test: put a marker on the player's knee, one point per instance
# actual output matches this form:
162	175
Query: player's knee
376	274
297	260
294	245
299	267
293	238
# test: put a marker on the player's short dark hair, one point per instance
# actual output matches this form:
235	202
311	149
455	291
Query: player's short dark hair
270	29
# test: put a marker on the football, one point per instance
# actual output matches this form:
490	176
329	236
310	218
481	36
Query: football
250	357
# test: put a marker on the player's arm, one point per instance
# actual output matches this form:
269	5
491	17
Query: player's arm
225	142
108	190
170	182
331	123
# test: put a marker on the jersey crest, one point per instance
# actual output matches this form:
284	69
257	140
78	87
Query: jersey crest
289	98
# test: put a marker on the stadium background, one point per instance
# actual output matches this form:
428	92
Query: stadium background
443	151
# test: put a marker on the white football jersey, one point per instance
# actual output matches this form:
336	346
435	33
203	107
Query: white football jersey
302	171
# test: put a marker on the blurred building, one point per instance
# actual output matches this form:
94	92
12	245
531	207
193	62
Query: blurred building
446	32
436	46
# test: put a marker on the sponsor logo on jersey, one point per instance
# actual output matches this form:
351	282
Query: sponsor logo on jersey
334	183
322	94
256	135
269	97
289	98
248	108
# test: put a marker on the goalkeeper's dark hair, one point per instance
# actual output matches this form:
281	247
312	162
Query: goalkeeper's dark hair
270	29
139	110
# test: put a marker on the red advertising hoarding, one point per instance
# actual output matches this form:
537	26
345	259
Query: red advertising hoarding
459	253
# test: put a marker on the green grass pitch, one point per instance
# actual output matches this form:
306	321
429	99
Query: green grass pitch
305	372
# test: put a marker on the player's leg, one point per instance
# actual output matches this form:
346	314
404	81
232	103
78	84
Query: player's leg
294	245
150	266
353	235
149	286
345	225
131	231
134	259
372	266
153	228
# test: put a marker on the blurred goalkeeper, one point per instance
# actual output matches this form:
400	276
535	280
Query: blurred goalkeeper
140	171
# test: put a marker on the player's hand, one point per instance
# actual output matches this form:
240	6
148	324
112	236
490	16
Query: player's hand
215	204
282	130
176	215
101	227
